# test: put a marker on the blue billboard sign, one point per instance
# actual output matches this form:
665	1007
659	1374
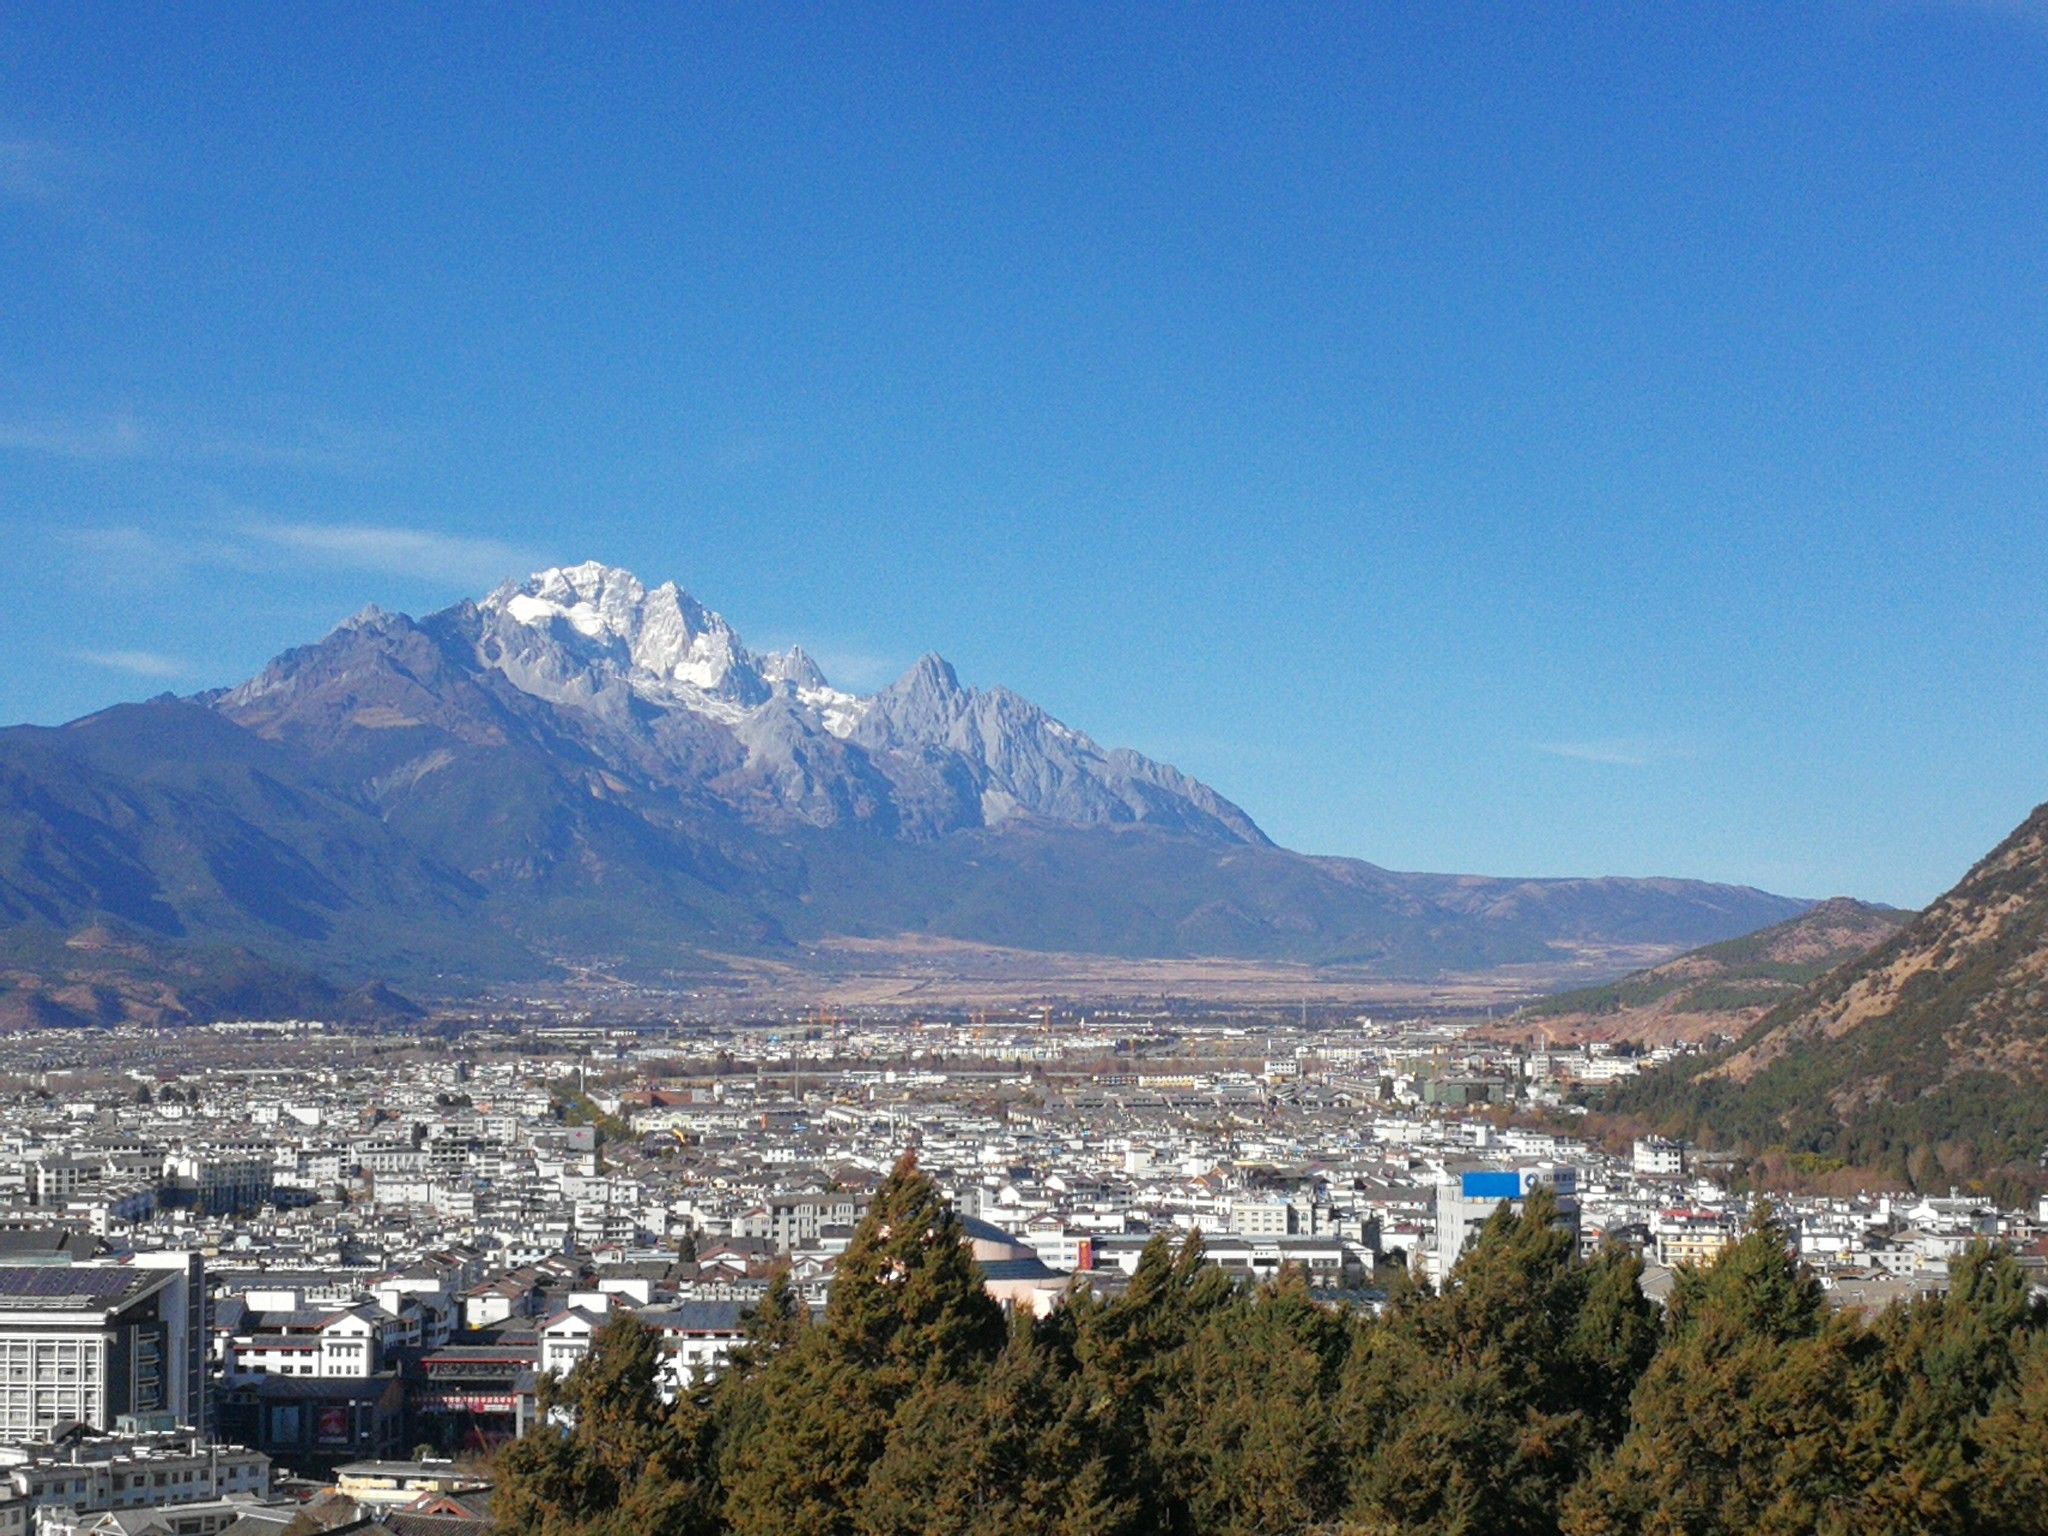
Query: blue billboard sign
1491	1186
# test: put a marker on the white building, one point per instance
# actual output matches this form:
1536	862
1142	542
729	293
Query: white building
92	1341
132	1472
1658	1157
1466	1198
565	1339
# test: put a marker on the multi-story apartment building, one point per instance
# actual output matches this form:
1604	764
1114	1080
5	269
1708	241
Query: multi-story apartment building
57	1177
792	1221
1691	1237
347	1342
1658	1157
1255	1217
217	1180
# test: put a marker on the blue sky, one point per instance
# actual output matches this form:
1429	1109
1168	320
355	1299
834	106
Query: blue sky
1534	440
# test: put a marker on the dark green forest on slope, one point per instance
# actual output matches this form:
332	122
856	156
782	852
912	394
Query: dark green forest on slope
1537	1393
1923	1063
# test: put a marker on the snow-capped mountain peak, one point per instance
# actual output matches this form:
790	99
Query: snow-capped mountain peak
597	601
640	662
794	667
663	635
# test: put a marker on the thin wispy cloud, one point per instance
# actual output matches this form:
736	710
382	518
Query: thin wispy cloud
125	554
103	437
119	542
397	551
135	663
40	171
1621	751
310	444
67	187
129	553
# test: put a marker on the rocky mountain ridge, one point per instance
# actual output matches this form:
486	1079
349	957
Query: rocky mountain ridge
653	684
581	774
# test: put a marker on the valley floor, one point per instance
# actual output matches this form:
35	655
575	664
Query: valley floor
914	972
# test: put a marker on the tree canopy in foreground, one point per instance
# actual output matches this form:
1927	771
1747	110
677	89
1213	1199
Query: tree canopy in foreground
1537	1393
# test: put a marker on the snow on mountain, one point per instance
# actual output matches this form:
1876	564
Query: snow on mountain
580	633
578	770
794	667
924	754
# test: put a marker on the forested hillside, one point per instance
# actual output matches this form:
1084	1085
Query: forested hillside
1721	989
1538	1393
1925	1062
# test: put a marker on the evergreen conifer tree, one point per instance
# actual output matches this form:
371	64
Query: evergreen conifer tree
1476	1408
1129	1353
609	1458
772	1325
1740	1421
2010	1494
1933	1370
908	1310
1244	1439
1534	1393
1006	1453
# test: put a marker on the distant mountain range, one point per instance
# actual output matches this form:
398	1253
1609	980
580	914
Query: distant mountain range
1926	1060
1719	990
578	773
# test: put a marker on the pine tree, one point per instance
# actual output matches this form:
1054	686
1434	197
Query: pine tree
2011	1491
620	1461
1612	1341
772	1326
1244	1440
907	1297
1094	1499
1934	1370
1739	1423
1005	1455
1129	1353
908	1310
1477	1408
1535	1393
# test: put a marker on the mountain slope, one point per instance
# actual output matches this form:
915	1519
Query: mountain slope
1141	894
176	824
159	864
1925	1060
588	829
579	773
1612	909
1721	989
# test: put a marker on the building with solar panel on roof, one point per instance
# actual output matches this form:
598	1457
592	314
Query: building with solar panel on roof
92	1342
